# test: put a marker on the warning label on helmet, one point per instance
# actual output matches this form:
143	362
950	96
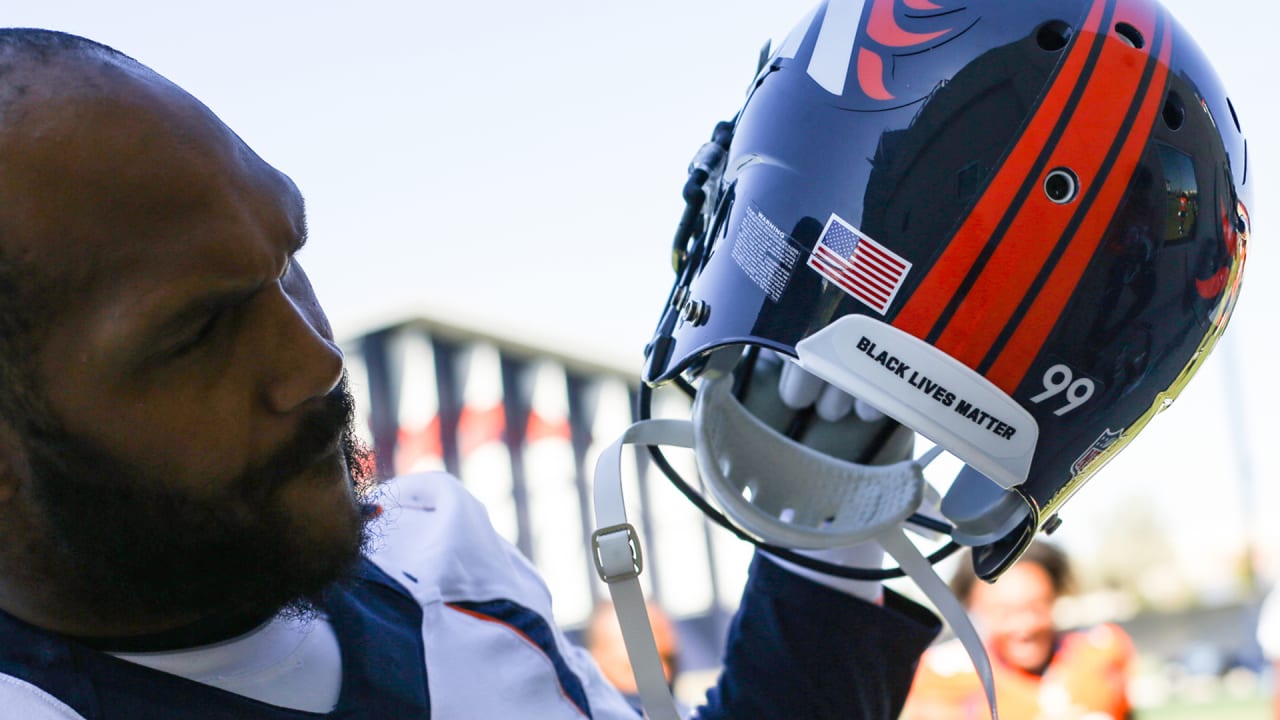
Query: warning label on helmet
764	252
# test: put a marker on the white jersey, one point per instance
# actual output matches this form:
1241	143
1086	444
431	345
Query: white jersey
480	665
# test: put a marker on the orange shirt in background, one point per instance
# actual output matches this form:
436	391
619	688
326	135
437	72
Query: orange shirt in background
1085	680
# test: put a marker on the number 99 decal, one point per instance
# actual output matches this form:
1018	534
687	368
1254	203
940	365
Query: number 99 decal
1059	380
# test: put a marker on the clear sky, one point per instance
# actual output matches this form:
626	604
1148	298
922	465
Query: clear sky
517	166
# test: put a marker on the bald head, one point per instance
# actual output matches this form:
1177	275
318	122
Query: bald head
170	379
27	56
41	46
90	140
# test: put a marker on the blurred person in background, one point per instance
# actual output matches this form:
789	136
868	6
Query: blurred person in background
1041	672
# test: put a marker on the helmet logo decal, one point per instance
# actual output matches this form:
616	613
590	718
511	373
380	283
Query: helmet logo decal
829	63
867	34
883	26
1099	446
858	265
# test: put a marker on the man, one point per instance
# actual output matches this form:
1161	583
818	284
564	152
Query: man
185	515
1041	670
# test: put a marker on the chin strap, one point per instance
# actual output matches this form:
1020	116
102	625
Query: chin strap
896	543
619	562
616	551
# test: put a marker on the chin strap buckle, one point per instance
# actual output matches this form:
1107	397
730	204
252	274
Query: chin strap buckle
616	552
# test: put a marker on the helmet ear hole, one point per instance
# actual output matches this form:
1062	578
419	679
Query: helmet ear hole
1061	186
1131	35
1053	35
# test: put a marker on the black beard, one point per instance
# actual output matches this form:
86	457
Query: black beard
119	543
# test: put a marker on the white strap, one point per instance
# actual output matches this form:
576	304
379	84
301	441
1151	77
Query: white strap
617	555
904	551
616	551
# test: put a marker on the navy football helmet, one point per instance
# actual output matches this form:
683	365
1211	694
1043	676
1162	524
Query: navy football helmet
1016	228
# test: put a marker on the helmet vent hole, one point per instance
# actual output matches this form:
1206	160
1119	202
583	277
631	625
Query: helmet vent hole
1053	35
1061	186
1174	112
1131	35
1234	118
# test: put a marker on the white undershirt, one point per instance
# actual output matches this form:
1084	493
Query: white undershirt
286	662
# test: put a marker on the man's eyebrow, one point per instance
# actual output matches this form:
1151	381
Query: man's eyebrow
194	310
299	224
299	240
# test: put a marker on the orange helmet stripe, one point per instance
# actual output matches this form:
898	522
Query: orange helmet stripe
1016	355
927	303
1017	291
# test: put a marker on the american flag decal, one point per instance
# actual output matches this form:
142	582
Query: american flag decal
861	266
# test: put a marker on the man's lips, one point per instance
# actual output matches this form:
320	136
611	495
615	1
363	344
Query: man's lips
328	464
291	465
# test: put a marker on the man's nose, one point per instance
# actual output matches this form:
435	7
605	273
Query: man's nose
306	363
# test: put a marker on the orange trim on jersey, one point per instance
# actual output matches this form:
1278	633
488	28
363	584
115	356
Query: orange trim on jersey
523	636
943	280
1034	327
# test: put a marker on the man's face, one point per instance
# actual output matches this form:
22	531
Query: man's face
1016	616
193	454
137	542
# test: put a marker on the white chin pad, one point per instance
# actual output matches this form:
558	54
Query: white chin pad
787	493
